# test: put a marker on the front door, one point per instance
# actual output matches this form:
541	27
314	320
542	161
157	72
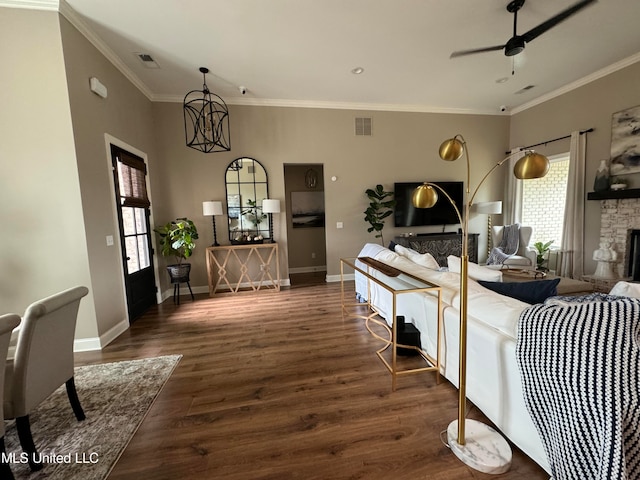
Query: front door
129	172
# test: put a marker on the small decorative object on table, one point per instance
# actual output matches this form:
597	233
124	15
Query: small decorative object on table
618	183
247	239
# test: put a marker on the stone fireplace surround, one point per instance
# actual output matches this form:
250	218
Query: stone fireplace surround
620	225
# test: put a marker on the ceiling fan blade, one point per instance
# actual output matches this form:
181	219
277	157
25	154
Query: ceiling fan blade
555	20
461	53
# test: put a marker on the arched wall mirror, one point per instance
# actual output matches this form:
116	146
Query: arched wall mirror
246	186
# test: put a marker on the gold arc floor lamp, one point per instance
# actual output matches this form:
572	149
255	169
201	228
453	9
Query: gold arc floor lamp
481	448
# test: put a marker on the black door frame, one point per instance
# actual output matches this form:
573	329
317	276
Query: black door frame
114	146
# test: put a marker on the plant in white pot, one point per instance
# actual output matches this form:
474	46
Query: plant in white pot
177	240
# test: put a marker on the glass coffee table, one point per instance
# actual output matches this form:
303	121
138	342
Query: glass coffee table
396	282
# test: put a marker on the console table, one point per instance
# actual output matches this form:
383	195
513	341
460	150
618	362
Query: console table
441	245
235	267
397	283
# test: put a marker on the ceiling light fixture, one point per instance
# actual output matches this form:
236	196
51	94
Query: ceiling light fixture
357	70
206	120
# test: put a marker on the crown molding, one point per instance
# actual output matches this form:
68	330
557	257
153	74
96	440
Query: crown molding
72	16
261	102
76	20
51	5
635	58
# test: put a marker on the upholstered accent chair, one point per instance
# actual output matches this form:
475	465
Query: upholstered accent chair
525	257
41	362
7	323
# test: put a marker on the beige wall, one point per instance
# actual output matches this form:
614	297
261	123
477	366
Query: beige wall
44	248
125	114
403	147
588	106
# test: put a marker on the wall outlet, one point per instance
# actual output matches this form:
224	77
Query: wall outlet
313	255
109	240
339	225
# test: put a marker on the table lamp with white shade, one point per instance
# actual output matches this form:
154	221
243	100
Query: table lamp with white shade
271	206
212	209
488	208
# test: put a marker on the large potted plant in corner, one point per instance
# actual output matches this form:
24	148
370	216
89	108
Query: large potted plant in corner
177	240
379	209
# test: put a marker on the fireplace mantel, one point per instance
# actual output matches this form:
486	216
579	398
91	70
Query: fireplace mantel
612	194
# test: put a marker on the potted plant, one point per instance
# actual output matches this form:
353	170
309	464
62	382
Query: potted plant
541	254
379	209
177	240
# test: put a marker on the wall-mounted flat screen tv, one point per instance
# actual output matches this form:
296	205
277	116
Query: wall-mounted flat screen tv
442	213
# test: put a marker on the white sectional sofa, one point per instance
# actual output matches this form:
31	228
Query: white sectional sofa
493	378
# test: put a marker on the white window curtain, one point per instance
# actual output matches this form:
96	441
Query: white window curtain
572	264
513	204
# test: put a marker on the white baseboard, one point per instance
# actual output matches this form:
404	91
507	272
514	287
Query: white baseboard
184	291
319	268
97	343
337	278
285	282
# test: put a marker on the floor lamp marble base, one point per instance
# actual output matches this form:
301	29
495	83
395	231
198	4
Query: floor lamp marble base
484	450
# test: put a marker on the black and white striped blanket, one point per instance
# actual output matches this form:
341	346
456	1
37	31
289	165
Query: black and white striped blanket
579	360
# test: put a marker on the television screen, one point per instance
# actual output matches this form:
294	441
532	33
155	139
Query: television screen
442	213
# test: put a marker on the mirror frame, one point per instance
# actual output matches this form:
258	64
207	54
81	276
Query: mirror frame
246	185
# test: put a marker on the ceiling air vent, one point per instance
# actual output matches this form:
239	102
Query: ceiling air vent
363	126
147	60
522	90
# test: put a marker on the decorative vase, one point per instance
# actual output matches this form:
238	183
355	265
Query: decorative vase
602	177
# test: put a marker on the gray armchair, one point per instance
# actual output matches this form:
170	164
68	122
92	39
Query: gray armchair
525	256
42	361
7	324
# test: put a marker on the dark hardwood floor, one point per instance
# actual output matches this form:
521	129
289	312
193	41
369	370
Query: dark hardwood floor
279	386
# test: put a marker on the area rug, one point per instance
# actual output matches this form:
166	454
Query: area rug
115	397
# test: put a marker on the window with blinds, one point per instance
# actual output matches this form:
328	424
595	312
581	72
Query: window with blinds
132	181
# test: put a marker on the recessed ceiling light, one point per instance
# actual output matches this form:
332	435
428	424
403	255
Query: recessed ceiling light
502	80
357	70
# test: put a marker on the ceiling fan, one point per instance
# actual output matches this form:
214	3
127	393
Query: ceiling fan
516	44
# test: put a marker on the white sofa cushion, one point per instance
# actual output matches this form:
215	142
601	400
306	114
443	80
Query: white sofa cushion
474	270
423	259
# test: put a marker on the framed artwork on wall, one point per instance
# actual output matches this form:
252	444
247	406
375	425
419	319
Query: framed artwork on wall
307	209
625	142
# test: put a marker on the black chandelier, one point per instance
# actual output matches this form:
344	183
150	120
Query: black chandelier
206	120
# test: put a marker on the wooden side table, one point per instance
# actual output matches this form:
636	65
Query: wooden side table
234	267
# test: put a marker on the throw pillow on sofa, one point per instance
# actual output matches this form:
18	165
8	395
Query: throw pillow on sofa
475	271
626	289
422	259
536	291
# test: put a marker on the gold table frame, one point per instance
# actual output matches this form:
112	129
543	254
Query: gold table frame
222	259
433	364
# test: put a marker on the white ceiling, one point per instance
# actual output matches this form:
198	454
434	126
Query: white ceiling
301	52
